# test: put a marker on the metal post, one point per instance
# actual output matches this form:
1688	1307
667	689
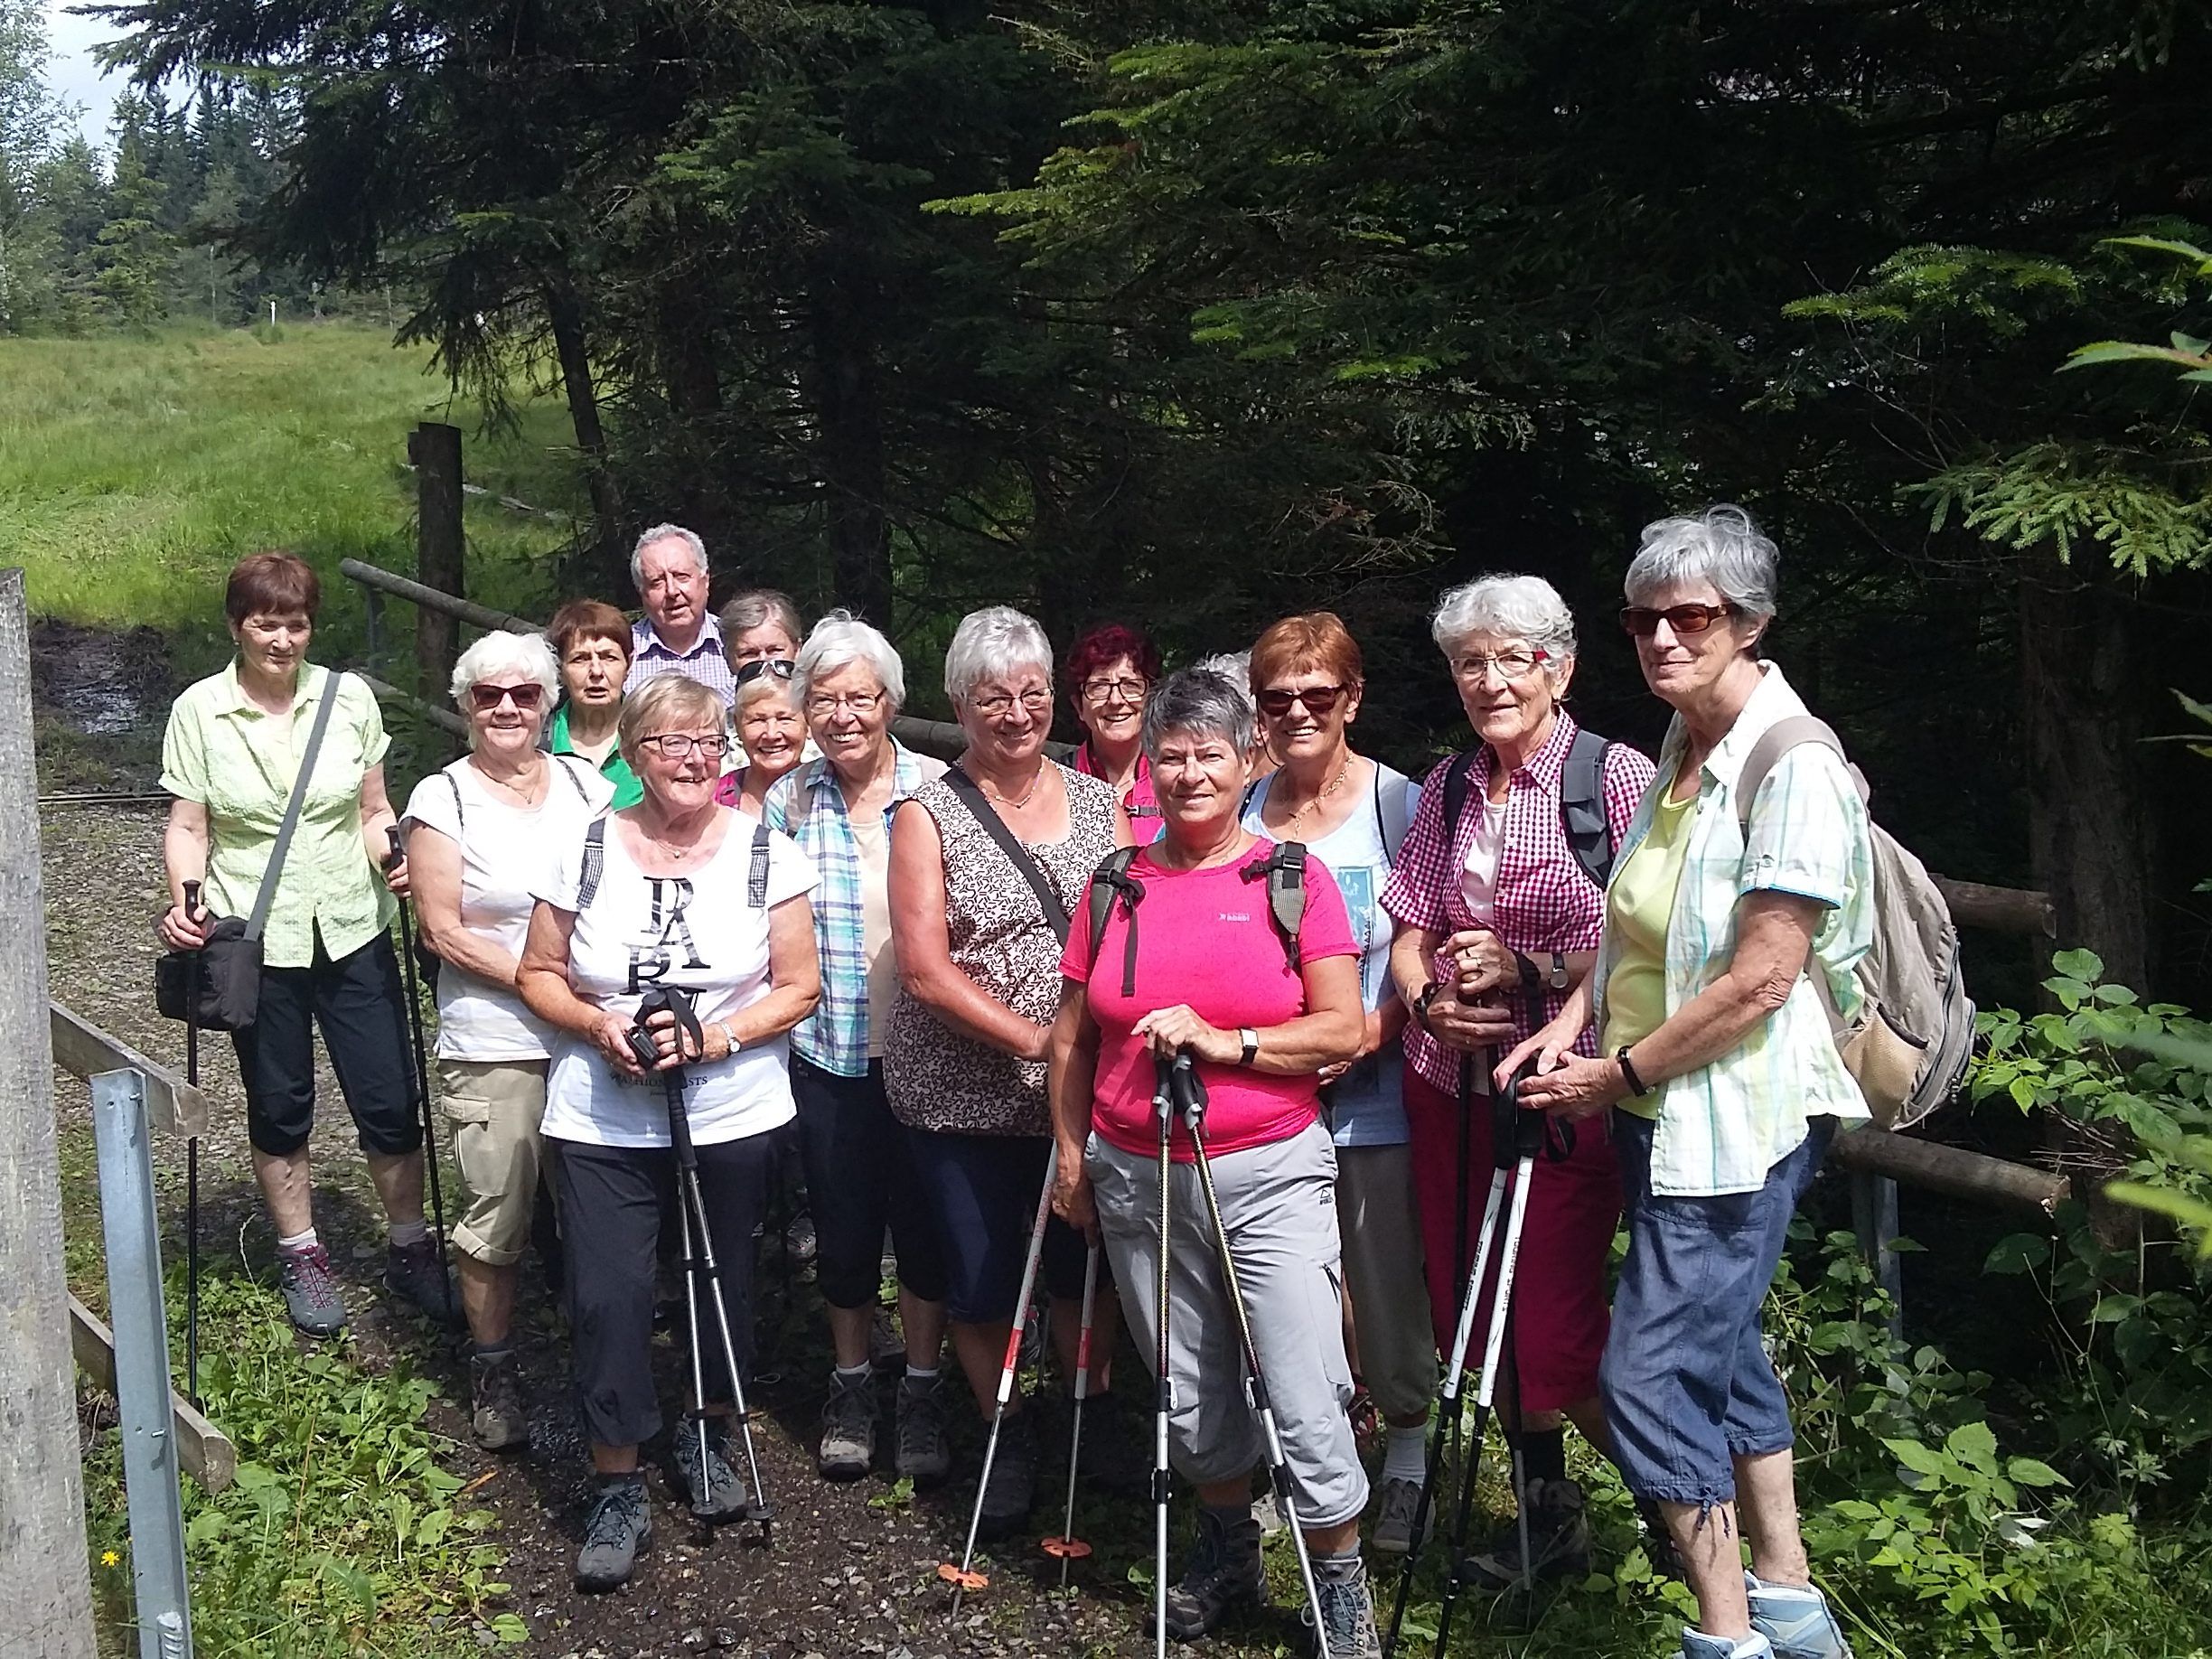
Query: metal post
1874	1217
376	630
120	1125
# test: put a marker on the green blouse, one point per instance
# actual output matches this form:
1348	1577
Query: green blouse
628	791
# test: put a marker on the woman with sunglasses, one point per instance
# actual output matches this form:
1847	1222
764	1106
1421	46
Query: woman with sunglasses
1493	911
480	833
770	733
1352	812
1723	1078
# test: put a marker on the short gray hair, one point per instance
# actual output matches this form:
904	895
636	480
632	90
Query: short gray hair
761	685
1721	545
758	606
840	638
1201	701
664	701
990	644
1235	667
664	532
1519	607
501	653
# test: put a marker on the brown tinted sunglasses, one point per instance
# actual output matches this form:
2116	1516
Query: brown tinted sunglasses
1680	618
488	697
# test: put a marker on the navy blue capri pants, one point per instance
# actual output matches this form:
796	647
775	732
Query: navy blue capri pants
984	1189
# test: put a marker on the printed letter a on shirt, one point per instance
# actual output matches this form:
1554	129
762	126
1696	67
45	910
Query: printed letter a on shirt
652	959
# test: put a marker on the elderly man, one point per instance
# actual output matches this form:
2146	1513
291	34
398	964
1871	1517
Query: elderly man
676	634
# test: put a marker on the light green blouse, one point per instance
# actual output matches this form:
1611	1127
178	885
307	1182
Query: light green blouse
221	752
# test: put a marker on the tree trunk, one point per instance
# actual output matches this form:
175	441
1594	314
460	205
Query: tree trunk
851	443
565	316
691	380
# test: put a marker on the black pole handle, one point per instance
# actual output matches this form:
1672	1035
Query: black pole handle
397	852
192	900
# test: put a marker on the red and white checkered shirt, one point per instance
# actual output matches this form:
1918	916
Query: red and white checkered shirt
1541	900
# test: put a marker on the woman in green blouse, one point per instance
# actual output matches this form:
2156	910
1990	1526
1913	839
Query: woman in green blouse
230	757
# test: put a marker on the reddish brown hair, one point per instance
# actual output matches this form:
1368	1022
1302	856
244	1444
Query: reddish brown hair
1102	648
590	619
271	585
1316	641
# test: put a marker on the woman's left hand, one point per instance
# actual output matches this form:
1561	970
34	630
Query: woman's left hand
396	875
1169	1029
1576	1087
670	1040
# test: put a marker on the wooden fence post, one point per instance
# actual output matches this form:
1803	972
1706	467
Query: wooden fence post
45	1586
435	451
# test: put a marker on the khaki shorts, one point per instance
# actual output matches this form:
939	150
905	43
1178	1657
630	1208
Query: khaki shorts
494	1108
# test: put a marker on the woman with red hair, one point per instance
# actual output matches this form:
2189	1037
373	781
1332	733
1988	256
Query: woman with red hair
1109	673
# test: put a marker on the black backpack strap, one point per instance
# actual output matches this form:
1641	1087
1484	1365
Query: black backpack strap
594	863
567	768
757	879
1284	870
1024	861
1582	807
1109	881
1458	782
460	817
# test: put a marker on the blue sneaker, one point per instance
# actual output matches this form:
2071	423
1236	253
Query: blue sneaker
1794	1618
1697	1644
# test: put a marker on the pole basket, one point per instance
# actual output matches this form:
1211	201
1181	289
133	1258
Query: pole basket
962	1580
1066	1549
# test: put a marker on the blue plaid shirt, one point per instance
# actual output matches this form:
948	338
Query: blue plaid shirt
809	806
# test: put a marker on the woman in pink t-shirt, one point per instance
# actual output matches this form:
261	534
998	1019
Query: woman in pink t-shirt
1210	973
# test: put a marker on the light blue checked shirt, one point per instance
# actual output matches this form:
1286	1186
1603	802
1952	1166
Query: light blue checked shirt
809	806
1720	1130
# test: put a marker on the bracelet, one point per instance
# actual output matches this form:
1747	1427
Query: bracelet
1636	1085
1418	1006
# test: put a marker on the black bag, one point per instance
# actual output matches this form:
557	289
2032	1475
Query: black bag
221	989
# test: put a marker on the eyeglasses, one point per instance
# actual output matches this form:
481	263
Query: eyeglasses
683	745
1510	664
822	704
487	697
1680	618
1128	690
1274	702
783	668
1036	701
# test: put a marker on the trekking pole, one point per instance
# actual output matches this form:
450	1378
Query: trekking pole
1190	1094
1067	1546
422	1065
696	1241
191	1163
1466	1182
1163	1395
963	1579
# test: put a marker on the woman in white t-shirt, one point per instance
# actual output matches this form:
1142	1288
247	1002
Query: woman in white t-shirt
678	893
478	835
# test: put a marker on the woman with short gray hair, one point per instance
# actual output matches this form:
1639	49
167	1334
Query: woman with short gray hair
1747	871
481	835
988	862
1199	968
1498	897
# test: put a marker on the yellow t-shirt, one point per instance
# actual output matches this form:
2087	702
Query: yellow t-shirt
1637	906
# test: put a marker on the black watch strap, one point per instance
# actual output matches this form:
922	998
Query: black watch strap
1636	1085
1558	981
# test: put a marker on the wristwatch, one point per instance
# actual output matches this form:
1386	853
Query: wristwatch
1250	1039
1557	979
1418	1006
729	1035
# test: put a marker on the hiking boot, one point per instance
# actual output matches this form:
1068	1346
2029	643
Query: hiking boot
712	1487
1012	1480
1393	1524
1347	1610
411	1272
497	1418
1223	1569
1697	1644
923	1456
1559	1542
311	1291
1794	1617
617	1532
848	1430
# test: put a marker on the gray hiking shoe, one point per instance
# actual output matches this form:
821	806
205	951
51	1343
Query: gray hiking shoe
848	1430
924	1457
1393	1526
1559	1542
618	1531
411	1272
715	1492
1223	1569
1347	1610
1012	1480
497	1418
1795	1618
311	1291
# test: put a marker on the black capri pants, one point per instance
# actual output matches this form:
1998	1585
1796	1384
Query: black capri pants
985	1190
860	1174
612	1202
360	1004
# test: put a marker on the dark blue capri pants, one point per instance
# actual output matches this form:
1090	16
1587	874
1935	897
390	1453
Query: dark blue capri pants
1685	1379
984	1189
360	1004
861	1177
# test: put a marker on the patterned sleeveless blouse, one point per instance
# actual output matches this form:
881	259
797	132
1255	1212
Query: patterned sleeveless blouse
944	1080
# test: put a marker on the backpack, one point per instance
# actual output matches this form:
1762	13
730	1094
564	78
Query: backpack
594	865
1908	1048
1582	805
1284	870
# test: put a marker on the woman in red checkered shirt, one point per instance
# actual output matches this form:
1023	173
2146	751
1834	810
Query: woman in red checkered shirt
1494	911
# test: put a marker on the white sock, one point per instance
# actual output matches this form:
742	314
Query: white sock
404	1234
1796	1592
914	1373
1406	1457
298	1241
850	1374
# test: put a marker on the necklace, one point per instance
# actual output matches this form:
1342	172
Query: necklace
526	793
1323	793
1006	800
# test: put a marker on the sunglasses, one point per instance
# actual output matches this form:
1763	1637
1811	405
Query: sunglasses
1275	703
1680	618
488	697
783	668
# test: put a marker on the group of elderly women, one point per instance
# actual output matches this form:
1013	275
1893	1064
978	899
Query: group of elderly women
923	971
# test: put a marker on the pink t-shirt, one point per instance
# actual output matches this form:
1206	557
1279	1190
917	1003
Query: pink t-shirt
1205	937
